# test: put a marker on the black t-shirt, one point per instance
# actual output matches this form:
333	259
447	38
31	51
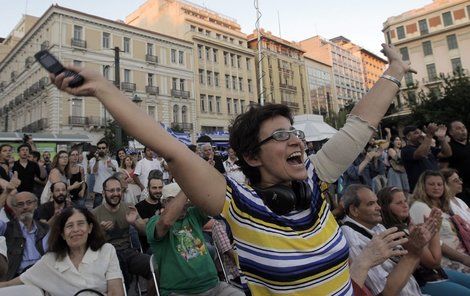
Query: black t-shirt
26	175
45	211
460	160
146	210
415	167
4	174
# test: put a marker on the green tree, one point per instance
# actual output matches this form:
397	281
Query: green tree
115	136
337	120
450	101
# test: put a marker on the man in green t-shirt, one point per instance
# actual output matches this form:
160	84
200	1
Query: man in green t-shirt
177	243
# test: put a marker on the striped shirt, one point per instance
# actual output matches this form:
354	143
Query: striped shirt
301	253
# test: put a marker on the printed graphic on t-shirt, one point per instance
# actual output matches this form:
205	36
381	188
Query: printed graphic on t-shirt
187	245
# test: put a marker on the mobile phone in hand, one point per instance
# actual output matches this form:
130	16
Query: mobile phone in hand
52	65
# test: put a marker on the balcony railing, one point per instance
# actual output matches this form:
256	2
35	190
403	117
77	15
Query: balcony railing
36	126
180	93
96	120
182	125
288	87
45	45
127	86
151	58
78	120
152	90
290	104
78	43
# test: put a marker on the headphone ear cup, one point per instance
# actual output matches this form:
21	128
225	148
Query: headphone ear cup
303	193
278	198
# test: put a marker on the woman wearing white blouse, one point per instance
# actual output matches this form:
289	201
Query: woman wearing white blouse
454	182
78	258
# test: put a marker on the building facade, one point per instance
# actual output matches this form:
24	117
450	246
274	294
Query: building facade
320	87
149	75
283	72
436	40
347	68
225	81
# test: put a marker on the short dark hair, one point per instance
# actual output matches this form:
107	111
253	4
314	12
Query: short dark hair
53	185
408	129
36	154
23	145
109	179
192	147
244	134
350	196
102	142
5	145
57	243
154	175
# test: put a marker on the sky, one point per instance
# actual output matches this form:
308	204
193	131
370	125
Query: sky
295	20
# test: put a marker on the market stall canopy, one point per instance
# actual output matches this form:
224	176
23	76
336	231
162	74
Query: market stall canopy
314	127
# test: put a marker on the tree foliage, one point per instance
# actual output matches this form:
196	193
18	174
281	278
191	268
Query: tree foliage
451	101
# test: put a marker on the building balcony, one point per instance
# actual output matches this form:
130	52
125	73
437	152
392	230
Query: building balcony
36	126
28	62
182	125
151	58
184	94
45	45
128	86
288	87
43	82
290	104
78	43
152	90
96	121
78	120
19	99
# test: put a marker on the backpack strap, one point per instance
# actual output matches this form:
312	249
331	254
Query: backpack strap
358	228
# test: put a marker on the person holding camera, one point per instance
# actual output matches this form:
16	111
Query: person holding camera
102	166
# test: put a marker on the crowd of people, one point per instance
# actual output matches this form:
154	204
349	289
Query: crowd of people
263	221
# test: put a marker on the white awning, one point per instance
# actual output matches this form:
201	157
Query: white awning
314	127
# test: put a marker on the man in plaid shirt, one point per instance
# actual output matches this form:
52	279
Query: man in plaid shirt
228	254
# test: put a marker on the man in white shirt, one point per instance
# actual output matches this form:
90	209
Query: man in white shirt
361	223
144	166
102	167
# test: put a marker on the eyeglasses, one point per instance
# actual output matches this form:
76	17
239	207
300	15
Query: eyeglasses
21	204
283	135
114	190
64	157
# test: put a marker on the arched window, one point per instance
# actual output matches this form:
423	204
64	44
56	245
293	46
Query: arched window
184	114
175	113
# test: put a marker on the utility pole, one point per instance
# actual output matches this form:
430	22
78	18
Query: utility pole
117	82
260	55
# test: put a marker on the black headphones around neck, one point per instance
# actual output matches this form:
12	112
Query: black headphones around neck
282	199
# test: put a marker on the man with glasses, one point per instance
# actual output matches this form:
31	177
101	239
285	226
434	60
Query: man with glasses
115	218
102	167
26	237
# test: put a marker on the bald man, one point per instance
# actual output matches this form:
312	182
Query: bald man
26	237
215	160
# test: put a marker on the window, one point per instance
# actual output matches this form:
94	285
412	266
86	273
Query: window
423	27
106	71
77	107
215	52
199	51
229	106
234	82
201	76
182	84
181	57
127	45
150	79
239	58
227	81
242	106
184	114
456	65
127	75
193	28
174	83
240	83
248	62
77	63
203	103
173	56
452	42
250	88
447	17
77	32
210	101
208	53
151	111
226	58
208	33
389	39
409	79
216	79
431	69
232	60
217	104
175	113
401	32
427	48
235	106
105	40
209	78
149	48
404	53
468	11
